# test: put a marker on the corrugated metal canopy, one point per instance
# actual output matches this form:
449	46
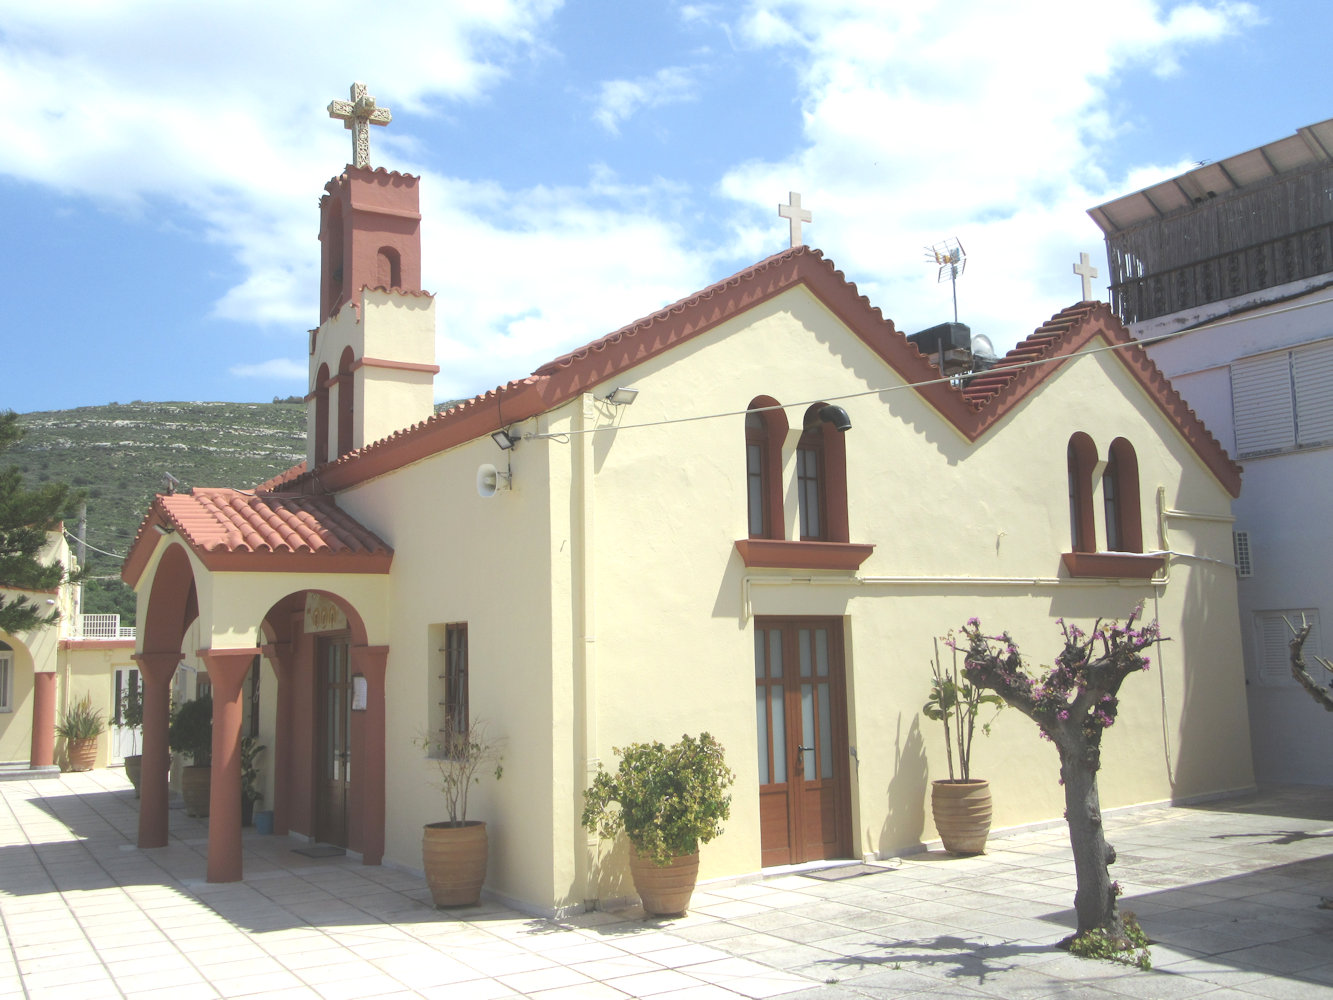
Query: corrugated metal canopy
1310	145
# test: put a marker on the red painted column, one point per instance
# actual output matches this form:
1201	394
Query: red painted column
43	751
155	669
226	670
282	656
370	662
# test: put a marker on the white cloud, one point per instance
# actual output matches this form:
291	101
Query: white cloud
619	99
983	121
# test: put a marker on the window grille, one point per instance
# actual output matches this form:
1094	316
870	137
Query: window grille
1240	547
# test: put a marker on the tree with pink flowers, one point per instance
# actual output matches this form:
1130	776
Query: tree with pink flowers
1073	704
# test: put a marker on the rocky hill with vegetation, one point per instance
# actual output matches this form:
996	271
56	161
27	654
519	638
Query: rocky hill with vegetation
120	455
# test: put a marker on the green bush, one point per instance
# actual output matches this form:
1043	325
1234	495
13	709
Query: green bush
191	731
671	799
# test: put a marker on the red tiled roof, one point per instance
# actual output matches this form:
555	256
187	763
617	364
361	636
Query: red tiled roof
231	530
972	411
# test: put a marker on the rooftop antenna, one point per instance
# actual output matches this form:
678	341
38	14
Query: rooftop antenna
952	261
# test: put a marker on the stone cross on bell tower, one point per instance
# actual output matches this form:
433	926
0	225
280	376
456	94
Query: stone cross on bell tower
358	115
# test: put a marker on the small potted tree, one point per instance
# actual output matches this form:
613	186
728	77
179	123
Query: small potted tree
960	804
454	851
131	717
79	726
668	801
191	734
251	749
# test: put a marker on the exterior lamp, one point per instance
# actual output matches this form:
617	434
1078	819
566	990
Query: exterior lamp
836	416
622	396
504	440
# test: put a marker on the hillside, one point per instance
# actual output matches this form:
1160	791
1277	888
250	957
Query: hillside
120	453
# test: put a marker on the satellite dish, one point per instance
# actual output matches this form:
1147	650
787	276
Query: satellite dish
982	347
491	480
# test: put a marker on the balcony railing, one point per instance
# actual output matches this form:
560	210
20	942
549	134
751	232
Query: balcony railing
101	627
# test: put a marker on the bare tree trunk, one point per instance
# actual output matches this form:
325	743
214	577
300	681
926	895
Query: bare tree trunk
1096	898
1321	695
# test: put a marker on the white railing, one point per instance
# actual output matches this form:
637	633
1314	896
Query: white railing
101	627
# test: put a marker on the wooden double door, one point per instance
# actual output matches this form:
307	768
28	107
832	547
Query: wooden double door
801	719
333	776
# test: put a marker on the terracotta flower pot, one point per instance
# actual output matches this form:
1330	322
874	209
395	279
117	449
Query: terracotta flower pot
82	754
962	811
455	861
665	891
196	785
134	770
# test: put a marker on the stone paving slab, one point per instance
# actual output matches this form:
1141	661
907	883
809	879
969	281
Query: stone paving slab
1228	891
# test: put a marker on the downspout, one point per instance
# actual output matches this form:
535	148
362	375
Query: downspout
585	651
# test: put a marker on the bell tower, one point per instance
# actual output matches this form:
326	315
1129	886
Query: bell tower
372	358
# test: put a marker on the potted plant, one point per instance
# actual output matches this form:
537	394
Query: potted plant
960	804
131	717
251	748
454	851
80	724
669	801
191	734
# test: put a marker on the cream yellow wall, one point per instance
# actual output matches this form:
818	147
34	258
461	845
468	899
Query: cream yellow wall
16	725
91	671
605	602
488	563
389	326
674	639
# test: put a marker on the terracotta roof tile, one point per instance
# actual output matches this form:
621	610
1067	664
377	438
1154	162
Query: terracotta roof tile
231	530
972	410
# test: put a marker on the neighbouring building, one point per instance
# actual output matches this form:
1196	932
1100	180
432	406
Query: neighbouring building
1231	264
751	512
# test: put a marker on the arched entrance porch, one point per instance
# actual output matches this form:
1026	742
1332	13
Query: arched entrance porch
238	614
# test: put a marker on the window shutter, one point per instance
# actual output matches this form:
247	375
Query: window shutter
1312	378
1273	637
1240	547
1261	405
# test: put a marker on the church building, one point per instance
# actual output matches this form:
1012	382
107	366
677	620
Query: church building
750	513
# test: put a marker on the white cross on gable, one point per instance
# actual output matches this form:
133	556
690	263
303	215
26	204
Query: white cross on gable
1087	272
795	214
359	114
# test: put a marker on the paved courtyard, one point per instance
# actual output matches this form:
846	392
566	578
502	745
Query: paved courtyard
1229	892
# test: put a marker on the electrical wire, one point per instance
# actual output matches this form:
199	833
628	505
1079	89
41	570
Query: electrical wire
563	436
103	552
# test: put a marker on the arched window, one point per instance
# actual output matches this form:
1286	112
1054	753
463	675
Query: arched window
321	391
765	430
821	477
346	392
1120	493
1082	459
388	268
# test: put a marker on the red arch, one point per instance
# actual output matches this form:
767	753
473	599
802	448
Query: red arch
765	432
1081	457
826	458
321	392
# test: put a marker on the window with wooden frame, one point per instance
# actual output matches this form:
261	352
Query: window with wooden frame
1120	496
346	403
821	479
453	703
321	394
6	678
1081	457
765	430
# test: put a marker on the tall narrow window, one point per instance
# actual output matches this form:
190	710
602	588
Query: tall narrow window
1081	458
6	678
346	409
821	477
321	391
454	696
810	484
1120	491
765	430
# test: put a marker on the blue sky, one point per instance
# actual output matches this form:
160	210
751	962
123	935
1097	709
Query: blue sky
585	163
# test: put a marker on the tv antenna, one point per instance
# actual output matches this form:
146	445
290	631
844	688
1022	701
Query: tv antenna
952	261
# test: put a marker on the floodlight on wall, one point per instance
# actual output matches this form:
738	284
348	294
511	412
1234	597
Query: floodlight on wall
504	440
622	396
836	416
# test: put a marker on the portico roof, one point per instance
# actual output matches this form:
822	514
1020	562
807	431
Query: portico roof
235	530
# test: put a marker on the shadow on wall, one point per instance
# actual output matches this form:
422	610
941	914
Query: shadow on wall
906	816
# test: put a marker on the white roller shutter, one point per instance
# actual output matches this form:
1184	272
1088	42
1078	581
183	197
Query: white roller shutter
1312	377
1261	405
